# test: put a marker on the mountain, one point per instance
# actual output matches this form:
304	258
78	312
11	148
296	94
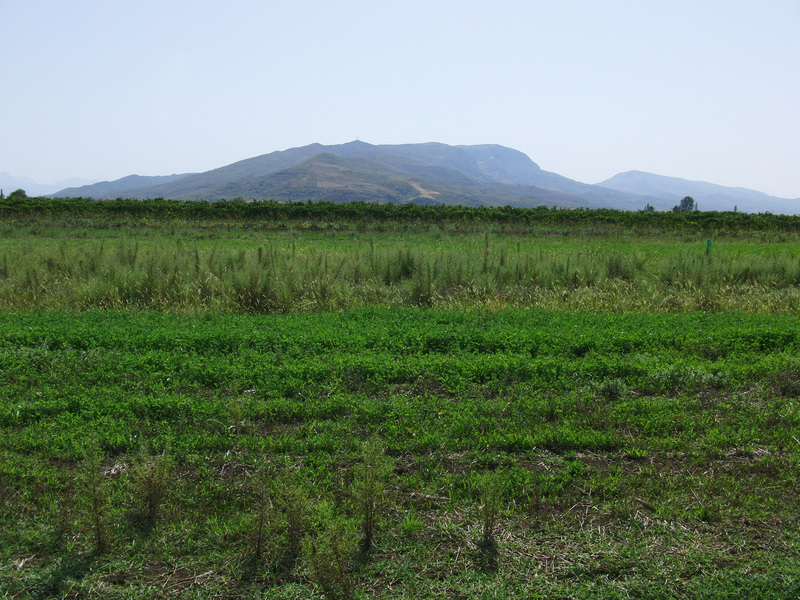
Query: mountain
488	175
9	183
670	190
126	187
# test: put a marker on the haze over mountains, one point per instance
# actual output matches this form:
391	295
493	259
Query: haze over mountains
432	173
708	196
9	183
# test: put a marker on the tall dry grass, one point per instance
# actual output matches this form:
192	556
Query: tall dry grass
171	271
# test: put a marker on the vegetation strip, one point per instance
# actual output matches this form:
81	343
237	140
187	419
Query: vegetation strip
16	206
300	400
274	266
399	452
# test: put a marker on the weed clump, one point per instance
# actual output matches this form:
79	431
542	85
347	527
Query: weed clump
490	489
150	486
786	382
329	555
613	390
95	497
370	480
278	520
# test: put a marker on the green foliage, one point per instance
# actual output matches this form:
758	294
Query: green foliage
370	479
250	267
411	524
329	555
283	513
493	408
370	214
612	390
490	486
490	497
150	478
663	414
94	489
687	205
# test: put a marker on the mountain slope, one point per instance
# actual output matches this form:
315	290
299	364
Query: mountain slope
709	196
425	173
126	187
391	178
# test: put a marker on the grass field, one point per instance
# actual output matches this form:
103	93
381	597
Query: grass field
403	435
274	267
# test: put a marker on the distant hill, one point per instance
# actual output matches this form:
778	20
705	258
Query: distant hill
432	173
9	183
125	187
489	175
670	190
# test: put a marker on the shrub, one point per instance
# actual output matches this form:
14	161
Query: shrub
150	483
95	497
369	488
329	554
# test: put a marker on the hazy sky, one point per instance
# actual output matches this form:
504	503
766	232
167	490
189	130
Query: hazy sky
698	89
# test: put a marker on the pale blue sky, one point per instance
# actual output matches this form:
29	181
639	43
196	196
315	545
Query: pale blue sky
702	89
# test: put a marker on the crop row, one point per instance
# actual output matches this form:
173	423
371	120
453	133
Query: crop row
370	212
467	449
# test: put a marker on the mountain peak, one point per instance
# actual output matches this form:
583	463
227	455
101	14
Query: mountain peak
485	174
358	143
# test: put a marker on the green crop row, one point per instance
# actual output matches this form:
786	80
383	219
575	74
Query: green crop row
374	213
398	213
399	453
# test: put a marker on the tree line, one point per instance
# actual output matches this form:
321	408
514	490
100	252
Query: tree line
17	205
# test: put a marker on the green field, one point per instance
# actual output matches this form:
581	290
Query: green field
275	266
397	410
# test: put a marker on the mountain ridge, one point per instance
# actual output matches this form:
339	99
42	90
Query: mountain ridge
119	187
431	172
482	175
709	196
